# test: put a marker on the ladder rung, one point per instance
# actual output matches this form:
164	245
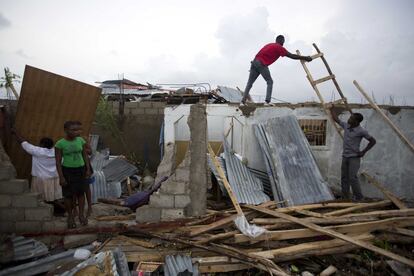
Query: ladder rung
323	79
317	55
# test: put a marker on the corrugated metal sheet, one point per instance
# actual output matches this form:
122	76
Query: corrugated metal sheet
178	263
247	187
118	169
264	177
46	101
42	265
288	155
93	142
229	94
26	248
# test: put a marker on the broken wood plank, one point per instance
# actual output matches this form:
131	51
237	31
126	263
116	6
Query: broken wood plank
217	268
307	247
359	207
223	177
387	193
387	120
335	234
347	228
138	242
328	271
317	206
120	217
311	214
403	231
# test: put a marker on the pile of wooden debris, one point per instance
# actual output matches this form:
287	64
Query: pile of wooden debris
313	237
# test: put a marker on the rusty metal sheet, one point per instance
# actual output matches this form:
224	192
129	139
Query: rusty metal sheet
46	101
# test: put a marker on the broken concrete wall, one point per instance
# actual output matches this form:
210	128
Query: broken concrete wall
183	194
140	129
390	161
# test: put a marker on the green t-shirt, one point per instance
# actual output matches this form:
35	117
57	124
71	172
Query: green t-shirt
72	152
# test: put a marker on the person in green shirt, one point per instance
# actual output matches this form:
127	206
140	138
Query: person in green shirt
72	163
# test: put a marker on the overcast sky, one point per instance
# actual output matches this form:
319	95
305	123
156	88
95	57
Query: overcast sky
213	41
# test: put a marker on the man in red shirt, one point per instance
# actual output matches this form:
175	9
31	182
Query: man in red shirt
259	66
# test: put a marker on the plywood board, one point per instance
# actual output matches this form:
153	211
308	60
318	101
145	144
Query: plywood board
46	101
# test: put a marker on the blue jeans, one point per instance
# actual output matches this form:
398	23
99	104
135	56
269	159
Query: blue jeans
256	69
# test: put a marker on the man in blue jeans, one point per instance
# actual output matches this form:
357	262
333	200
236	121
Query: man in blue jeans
265	57
351	154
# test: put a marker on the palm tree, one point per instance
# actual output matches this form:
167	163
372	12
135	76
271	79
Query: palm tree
8	79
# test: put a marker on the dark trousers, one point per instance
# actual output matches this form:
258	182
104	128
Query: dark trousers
256	69
349	178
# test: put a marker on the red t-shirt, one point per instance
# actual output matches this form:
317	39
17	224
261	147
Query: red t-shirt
270	53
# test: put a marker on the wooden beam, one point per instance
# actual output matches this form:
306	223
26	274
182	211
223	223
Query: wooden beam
317	206
363	227
403	231
311	214
359	207
224	180
222	267
387	120
316	56
306	247
330	77
387	193
138	242
335	234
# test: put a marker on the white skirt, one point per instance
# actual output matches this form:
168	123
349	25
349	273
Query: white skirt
49	188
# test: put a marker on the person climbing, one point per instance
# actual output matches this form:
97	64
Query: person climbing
260	66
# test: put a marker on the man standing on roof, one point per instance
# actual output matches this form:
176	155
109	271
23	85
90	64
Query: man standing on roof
265	57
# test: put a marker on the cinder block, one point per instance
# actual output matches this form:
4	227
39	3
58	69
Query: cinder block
158	104
137	111
151	111
28	200
72	241
145	104
173	187
38	214
53	225
161	111
182	175
181	201
130	105
162	200
5	200
28	227
172	214
14	186
7	171
148	214
7	227
11	214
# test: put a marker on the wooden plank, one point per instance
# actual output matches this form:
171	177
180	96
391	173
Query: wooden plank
46	101
387	193
387	120
403	231
215	268
317	56
317	206
311	214
224	180
318	81
328	271
335	234
359	217
359	207
214	225
138	242
306	247
347	228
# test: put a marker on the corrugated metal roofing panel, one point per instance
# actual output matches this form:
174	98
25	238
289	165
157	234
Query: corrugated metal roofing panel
286	148
118	169
174	264
46	102
247	187
26	248
229	94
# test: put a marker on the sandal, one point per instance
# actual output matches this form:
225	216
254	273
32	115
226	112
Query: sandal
83	221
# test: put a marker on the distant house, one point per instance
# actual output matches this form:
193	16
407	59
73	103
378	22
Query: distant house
132	91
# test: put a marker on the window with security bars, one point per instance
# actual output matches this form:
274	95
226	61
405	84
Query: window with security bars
315	131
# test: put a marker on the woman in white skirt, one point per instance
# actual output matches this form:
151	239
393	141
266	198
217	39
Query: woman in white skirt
45	179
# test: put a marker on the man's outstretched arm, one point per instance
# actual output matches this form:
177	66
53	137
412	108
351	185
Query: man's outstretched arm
294	56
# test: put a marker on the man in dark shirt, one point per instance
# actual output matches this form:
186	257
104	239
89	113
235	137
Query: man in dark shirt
259	66
351	154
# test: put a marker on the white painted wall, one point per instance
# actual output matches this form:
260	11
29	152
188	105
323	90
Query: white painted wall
390	160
